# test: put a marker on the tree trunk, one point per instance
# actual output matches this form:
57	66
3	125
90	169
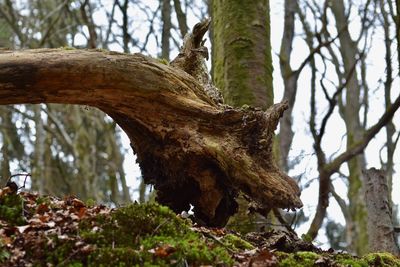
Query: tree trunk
356	226
290	79
193	150
181	17
245	69
38	178
166	28
242	52
398	31
390	127
381	235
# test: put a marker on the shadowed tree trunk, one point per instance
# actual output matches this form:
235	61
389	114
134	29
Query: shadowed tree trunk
193	150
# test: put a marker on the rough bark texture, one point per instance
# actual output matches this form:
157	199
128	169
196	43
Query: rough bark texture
193	150
242	52
381	235
192	59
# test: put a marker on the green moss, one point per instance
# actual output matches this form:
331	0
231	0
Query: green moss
90	202
135	235
383	259
163	61
60	251
306	237
148	233
307	259
75	264
245	107
43	200
68	48
299	259
11	209
4	254
236	242
349	260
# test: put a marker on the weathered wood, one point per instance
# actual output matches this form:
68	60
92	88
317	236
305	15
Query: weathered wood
381	233
193	150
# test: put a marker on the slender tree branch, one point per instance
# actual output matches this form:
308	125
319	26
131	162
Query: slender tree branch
342	204
359	146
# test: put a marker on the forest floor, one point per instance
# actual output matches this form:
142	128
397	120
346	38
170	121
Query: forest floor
49	231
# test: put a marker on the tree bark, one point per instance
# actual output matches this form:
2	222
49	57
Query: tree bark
290	79
381	235
181	17
242	52
193	150
356	226
398	31
166	28
390	127
38	156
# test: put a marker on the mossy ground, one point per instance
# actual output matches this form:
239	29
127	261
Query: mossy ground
309	259
47	231
151	234
69	233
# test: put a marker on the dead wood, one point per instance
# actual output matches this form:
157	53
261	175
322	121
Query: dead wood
192	149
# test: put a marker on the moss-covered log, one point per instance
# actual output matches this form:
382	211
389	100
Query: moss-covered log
192	149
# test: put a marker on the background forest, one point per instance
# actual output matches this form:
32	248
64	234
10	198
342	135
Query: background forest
336	62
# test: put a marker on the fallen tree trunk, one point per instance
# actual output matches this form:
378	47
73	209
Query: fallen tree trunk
194	150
